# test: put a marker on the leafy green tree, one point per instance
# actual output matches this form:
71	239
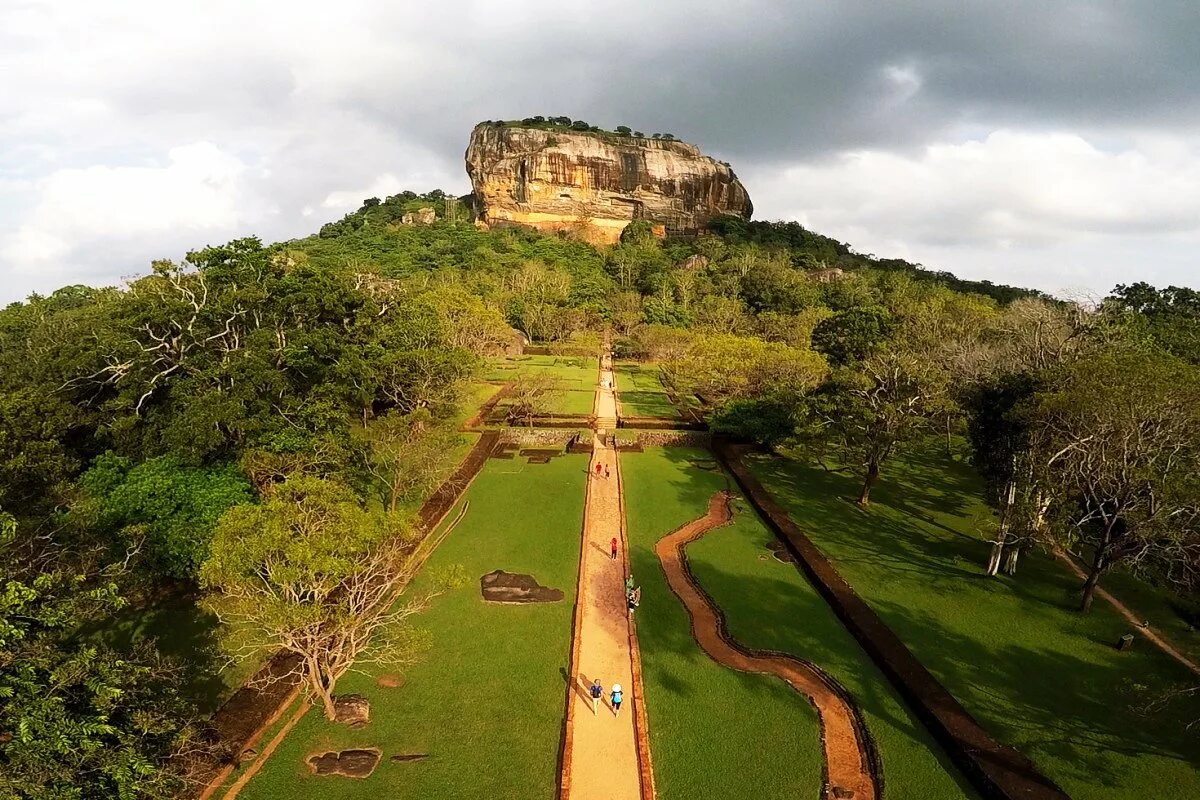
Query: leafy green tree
37	461
870	411
309	571
79	719
853	335
1116	438
717	368
163	507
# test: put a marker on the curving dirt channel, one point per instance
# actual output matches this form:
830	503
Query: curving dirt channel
850	772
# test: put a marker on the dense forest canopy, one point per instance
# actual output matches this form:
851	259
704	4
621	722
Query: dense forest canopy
146	430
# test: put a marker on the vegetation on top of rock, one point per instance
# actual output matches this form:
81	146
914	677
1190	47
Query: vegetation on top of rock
577	125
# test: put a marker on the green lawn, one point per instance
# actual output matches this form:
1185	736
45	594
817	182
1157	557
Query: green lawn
1034	672
487	702
577	374
696	706
714	732
641	393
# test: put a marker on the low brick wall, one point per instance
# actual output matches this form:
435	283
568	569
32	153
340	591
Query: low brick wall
997	772
674	438
539	436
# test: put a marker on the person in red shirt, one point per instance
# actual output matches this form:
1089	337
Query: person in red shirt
612	547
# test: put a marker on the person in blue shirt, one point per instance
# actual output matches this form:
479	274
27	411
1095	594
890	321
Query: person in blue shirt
616	698
597	691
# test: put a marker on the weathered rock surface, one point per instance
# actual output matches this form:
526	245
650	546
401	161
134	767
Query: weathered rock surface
508	587
596	183
422	216
352	709
357	763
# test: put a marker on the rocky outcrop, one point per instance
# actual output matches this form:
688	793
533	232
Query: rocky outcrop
596	183
422	216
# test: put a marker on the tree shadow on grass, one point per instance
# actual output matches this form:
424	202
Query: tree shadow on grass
181	630
1063	696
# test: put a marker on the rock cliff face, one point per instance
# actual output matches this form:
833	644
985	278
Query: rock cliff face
596	183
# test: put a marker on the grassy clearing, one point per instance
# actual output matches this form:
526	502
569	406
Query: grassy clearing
487	702
1034	672
577	375
641	393
713	732
769	605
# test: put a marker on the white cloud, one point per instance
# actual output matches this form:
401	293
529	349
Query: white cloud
1009	191
200	188
350	199
144	129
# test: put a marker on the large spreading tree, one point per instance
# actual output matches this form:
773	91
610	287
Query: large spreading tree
310	571
1116	438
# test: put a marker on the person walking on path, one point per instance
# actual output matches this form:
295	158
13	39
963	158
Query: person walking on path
597	692
607	474
597	469
612	549
616	698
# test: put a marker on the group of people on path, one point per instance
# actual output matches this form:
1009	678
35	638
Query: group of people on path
615	697
602	470
633	597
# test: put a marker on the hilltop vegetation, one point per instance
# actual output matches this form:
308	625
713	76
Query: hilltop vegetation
135	422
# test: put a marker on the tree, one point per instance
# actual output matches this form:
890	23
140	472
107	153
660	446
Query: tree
1000	437
36	463
309	571
624	130
718	368
409	455
1117	441
853	335
532	394
163	508
870	411
78	718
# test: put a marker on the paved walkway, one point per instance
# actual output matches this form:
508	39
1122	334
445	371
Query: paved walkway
602	748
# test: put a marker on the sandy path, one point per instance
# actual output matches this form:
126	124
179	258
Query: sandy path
848	765
602	758
1158	641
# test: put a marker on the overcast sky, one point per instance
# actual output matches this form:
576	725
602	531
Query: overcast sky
1054	145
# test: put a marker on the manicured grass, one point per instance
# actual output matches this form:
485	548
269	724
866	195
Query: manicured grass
577	375
487	702
576	372
1035	673
641	393
1169	614
714	732
769	605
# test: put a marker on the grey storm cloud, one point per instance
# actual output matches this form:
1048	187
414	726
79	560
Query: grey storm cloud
976	119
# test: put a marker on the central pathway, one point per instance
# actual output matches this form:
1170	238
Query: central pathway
601	758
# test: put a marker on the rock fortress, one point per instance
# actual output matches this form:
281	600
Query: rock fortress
594	183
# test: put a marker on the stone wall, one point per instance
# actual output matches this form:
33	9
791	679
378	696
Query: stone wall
674	438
